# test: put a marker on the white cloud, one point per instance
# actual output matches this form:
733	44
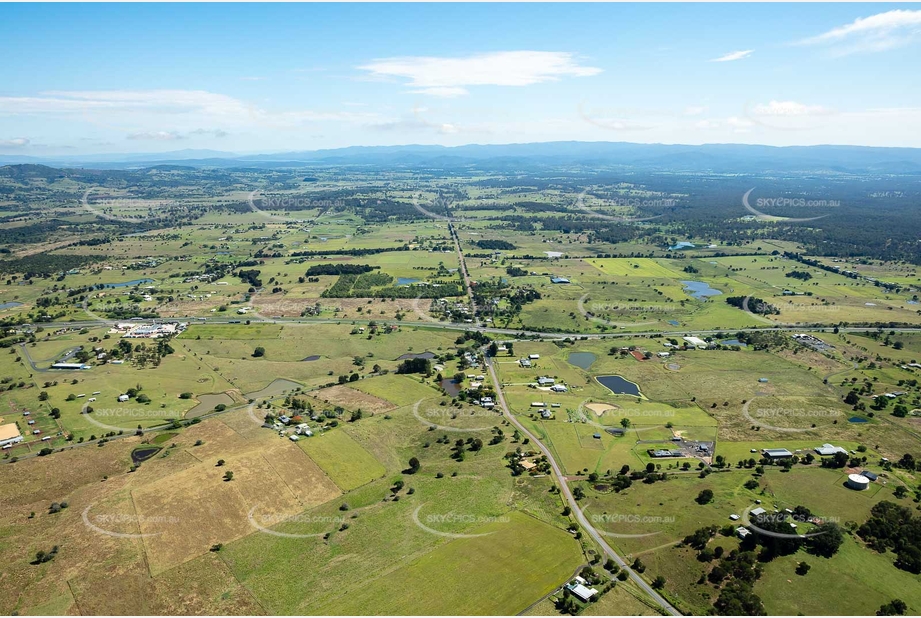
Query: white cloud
447	92
16	142
871	34
450	77
736	55
739	125
695	110
160	136
160	101
416	124
170	136
707	124
145	109
790	108
209	132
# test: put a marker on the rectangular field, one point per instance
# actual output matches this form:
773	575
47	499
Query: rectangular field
343	459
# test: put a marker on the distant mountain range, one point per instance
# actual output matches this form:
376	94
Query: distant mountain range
712	158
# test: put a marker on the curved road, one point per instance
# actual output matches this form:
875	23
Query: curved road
564	487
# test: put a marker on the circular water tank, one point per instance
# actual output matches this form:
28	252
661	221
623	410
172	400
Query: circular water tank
857	481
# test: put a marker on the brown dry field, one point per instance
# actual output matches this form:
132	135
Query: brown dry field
291	306
193	509
179	495
352	399
811	358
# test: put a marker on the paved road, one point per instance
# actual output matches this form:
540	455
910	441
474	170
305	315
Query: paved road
576	510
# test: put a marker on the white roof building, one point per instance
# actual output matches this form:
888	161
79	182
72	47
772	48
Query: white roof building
829	449
583	593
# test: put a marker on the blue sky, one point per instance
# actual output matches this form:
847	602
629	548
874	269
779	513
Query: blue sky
96	78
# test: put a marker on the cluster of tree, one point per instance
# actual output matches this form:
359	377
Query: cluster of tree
339	269
802	275
779	539
755	305
251	277
45	264
416	365
350	252
894	527
495	245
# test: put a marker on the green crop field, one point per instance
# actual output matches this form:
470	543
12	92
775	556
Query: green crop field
343	459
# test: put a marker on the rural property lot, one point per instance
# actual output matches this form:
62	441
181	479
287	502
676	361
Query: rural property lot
186	513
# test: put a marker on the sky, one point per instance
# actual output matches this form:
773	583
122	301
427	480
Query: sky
253	78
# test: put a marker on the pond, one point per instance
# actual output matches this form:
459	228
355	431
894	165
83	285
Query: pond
619	385
10	305
681	245
128	284
857	419
143	453
406	281
582	360
554	254
208	402
277	387
407	356
734	342
451	387
312	358
700	290
674	322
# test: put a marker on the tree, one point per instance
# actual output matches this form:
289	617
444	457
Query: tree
658	583
220	462
802	568
738	599
825	540
42	556
259	352
625	423
895	607
908	558
705	496
228	476
414	466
